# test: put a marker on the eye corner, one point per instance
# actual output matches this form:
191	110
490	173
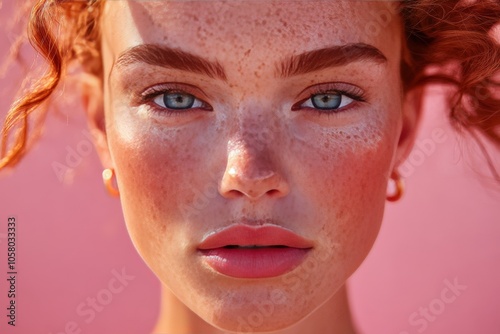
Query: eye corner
298	105
173	98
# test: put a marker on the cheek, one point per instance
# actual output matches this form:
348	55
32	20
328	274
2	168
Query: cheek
344	178
154	170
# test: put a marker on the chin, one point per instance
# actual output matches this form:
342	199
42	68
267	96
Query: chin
261	309
261	317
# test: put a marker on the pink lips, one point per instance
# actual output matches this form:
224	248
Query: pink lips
244	251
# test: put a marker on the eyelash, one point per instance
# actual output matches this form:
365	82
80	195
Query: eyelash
352	92
152	93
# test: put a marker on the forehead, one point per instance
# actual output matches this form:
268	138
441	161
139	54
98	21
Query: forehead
214	28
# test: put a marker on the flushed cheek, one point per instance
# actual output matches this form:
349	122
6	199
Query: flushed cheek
159	170
341	162
345	176
153	166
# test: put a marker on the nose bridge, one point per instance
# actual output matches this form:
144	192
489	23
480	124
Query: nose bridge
250	142
254	133
255	125
252	164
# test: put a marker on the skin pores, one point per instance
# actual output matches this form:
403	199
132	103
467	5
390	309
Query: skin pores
254	150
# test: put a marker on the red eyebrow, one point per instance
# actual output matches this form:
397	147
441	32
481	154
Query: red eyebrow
329	57
160	55
164	56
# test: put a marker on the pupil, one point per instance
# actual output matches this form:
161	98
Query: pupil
178	101
327	101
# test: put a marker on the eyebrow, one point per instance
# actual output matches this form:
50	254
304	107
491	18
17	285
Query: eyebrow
159	55
310	61
333	56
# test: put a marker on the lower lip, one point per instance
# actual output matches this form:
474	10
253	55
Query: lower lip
254	262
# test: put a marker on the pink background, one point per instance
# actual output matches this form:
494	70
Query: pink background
71	237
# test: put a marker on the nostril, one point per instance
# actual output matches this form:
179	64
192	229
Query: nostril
273	192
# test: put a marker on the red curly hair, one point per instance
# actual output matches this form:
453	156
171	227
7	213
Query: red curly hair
438	33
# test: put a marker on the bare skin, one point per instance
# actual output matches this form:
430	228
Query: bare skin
332	317
258	139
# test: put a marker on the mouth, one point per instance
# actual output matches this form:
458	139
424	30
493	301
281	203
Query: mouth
243	251
253	246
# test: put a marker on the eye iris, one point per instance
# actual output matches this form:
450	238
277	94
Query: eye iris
327	101
178	101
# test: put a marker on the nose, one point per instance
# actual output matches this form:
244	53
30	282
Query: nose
252	171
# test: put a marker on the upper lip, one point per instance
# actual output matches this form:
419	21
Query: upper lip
246	235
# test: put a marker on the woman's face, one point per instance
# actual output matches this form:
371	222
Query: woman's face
271	115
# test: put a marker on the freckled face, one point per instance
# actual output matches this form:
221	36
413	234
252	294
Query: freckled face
196	152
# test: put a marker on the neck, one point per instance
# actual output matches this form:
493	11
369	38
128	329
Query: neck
331	318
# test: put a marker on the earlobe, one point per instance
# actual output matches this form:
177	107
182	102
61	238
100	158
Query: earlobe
93	104
412	112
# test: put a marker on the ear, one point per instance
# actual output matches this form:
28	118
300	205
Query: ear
412	112
93	104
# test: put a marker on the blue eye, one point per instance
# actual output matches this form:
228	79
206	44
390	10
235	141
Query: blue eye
328	101
178	101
